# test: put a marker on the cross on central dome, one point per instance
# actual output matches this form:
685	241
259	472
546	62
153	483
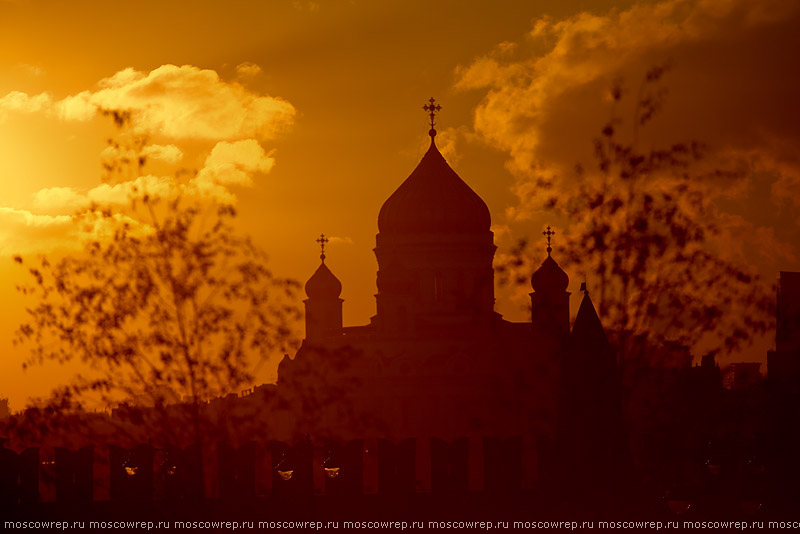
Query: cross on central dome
434	199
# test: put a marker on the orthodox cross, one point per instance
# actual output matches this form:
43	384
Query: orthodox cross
322	240
548	234
432	108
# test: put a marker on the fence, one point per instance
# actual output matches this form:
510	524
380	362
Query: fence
259	469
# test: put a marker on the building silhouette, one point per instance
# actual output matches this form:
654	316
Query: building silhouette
437	360
783	363
439	394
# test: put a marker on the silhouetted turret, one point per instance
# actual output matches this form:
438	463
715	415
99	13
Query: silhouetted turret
323	305
550	298
783	363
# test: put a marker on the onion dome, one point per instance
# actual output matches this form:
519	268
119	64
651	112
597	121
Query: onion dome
323	284
549	277
433	199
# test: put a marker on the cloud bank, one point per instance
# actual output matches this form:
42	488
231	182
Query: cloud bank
732	84
183	102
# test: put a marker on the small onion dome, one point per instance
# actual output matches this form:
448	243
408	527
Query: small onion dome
433	199
549	277
323	284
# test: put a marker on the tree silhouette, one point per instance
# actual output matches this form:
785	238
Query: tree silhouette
644	230
166	306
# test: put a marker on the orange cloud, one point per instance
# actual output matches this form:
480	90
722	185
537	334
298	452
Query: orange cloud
23	232
247	69
337	240
33	70
19	102
165	187
231	164
447	143
60	200
724	53
166	153
183	102
170	154
227	165
732	85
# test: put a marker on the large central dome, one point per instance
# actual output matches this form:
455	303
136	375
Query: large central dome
433	200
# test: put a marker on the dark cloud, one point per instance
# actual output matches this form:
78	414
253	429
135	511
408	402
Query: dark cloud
731	83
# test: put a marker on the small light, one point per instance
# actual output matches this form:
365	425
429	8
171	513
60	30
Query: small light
131	470
332	472
331	466
285	468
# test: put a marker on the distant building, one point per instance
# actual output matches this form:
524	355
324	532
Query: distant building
783	363
160	395
707	376
742	375
4	410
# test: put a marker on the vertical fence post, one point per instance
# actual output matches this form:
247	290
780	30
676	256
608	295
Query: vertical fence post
48	474
530	463
423	465
370	466
476	481
101	487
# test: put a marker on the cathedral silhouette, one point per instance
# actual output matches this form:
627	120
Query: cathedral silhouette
437	360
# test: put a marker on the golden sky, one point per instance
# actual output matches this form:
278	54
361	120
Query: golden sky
308	115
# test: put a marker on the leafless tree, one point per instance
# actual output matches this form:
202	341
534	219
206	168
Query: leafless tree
166	306
644	229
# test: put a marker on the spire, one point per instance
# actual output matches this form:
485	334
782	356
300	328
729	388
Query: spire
432	107
588	328
322	240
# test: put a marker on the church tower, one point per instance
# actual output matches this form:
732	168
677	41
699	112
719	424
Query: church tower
434	250
590	428
323	305
550	298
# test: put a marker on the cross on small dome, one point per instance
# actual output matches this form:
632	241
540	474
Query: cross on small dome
548	234
322	240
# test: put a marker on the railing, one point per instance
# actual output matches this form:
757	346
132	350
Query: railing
267	469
